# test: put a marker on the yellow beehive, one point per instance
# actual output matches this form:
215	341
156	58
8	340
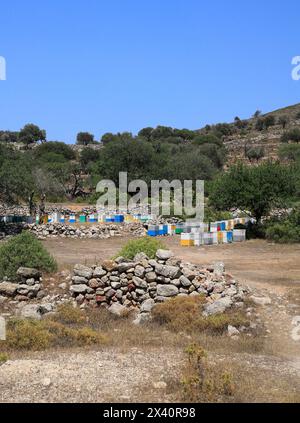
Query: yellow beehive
220	237
187	242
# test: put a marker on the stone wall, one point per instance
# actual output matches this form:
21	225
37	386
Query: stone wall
141	283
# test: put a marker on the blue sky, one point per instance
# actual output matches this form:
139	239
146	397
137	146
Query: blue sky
121	65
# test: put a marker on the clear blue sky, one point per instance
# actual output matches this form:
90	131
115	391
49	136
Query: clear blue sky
120	65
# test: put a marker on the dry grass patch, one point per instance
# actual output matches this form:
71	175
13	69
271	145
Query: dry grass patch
205	379
185	314
36	335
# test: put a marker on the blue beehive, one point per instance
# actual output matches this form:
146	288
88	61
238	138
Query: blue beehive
223	226
229	236
119	218
72	218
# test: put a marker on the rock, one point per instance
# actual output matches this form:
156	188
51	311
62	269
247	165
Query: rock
147	305
150	277
109	265
30	281
172	272
188	273
99	272
141	318
77	280
262	301
79	289
27	273
163	254
185	281
115	285
160	385
46	308
123	267
219	268
117	309
46	382
139	257
63	285
2	299
217	307
31	311
140	283
93	283
110	293
139	271
167	290
8	288
232	331
83	271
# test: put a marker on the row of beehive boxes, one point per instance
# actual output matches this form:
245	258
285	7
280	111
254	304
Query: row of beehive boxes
91	218
189	227
212	238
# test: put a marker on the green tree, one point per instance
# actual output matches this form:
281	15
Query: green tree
55	147
32	134
293	135
283	121
255	189
84	138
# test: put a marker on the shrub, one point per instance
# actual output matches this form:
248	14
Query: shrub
292	135
67	314
38	335
145	245
185	314
27	335
3	358
286	229
203	381
24	250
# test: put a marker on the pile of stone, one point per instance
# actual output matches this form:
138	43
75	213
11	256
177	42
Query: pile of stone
27	286
100	231
141	283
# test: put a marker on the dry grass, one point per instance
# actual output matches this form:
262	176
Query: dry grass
205	379
3	358
185	314
37	335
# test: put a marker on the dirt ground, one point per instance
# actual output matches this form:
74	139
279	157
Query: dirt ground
136	375
257	263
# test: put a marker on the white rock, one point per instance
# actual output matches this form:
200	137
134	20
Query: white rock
232	331
164	254
262	301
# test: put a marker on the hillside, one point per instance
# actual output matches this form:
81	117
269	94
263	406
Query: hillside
267	139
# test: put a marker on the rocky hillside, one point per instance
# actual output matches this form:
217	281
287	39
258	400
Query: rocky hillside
266	139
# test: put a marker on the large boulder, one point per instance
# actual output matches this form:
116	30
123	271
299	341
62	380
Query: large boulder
172	272
27	273
31	311
117	309
167	290
147	305
217	307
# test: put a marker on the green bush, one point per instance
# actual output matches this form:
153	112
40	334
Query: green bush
145	245
285	230
24	250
